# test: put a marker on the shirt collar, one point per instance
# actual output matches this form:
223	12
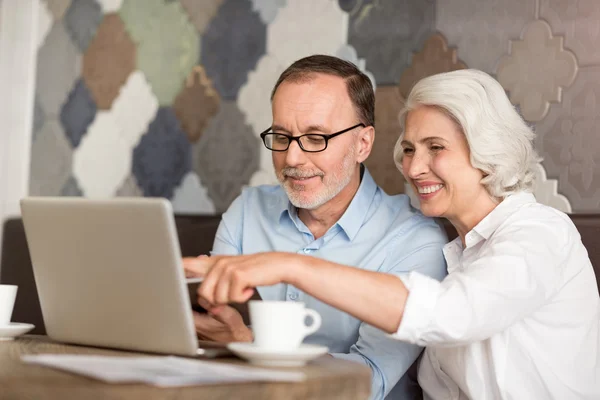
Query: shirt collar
355	214
488	225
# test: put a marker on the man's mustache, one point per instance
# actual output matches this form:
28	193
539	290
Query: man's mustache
300	173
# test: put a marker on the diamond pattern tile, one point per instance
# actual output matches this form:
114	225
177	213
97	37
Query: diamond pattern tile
45	20
388	104
110	6
108	61
267	9
568	141
58	7
39	117
129	188
163	31
545	191
481	30
355	6
386	33
82	20
134	108
71	188
434	58
254	96
348	53
577	21
77	113
191	197
265	175
226	155
51	157
296	32
103	159
196	103
229	54
163	156
201	12
58	67
536	70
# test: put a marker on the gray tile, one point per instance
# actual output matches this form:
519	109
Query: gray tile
191	197
267	9
578	22
71	188
82	20
39	117
386	33
567	139
129	188
58	65
78	112
226	155
163	156
51	161
229	54
58	7
481	30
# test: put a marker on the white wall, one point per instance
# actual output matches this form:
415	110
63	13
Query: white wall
18	50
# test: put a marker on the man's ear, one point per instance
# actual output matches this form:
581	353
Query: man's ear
366	137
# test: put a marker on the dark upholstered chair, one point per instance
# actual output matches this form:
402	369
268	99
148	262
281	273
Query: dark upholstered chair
196	234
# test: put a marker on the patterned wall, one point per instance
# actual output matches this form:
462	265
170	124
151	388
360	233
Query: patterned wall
167	97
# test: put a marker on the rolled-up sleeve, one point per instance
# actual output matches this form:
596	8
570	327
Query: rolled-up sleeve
512	274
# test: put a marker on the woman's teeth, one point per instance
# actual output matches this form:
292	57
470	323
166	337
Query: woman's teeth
429	189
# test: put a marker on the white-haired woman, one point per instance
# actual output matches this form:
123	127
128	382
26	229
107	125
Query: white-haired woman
518	315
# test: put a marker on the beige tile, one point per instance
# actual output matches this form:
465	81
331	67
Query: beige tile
568	141
388	104
196	104
434	58
536	70
579	22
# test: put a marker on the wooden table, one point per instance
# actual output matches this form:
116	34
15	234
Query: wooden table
327	378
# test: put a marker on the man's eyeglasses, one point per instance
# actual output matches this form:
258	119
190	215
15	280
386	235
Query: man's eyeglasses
310	142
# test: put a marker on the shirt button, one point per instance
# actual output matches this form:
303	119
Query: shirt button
293	296
306	251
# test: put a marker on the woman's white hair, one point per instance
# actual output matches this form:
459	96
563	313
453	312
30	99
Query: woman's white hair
499	139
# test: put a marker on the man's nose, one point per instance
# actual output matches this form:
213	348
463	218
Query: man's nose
294	154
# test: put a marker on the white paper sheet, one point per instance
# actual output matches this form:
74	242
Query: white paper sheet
159	371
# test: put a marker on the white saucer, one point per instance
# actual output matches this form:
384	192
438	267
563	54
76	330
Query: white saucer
277	358
14	329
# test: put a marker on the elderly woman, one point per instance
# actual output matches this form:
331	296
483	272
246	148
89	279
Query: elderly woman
518	315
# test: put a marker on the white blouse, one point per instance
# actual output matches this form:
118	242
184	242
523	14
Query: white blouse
518	315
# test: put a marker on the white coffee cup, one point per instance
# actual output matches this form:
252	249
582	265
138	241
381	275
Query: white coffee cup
280	325
8	294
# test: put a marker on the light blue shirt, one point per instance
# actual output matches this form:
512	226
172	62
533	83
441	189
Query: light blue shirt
377	232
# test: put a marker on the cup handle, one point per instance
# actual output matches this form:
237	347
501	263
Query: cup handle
316	321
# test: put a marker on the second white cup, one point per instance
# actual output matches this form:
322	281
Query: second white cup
280	325
8	294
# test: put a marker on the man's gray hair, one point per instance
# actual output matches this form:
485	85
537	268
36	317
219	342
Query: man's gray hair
499	139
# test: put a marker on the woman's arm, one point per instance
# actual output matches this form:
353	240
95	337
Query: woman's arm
376	298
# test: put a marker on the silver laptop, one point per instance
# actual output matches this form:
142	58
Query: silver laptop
109	273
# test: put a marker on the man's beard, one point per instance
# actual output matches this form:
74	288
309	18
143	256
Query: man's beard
333	183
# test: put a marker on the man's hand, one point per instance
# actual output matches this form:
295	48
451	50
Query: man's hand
221	324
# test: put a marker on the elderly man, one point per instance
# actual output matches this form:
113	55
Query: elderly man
327	205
